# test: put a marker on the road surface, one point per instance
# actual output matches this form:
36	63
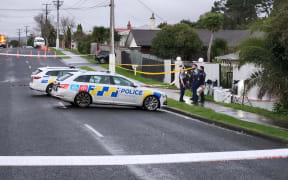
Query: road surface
33	124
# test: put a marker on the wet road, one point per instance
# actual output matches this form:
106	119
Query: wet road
33	124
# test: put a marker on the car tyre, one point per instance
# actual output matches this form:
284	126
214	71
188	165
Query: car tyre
49	89
151	103
82	99
102	61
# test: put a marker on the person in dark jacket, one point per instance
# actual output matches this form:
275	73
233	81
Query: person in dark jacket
182	84
193	83
201	83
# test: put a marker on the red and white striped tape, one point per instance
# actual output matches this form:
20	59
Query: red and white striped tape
142	159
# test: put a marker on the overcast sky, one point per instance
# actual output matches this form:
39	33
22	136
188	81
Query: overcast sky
171	11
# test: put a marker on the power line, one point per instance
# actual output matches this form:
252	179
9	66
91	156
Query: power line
151	10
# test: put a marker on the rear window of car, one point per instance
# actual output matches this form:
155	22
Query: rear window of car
52	73
36	72
62	73
84	78
66	76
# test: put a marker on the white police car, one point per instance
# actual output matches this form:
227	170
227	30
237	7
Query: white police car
43	78
83	89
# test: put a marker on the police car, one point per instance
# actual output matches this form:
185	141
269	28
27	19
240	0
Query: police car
83	89
43	78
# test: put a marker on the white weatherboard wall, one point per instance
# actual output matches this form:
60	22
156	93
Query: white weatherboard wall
212	71
244	73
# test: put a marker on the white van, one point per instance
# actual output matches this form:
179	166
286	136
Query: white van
38	42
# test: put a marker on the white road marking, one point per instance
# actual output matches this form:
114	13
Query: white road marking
27	62
93	130
62	105
29	67
142	159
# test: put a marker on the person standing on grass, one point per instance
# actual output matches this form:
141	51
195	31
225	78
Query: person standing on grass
201	78
182	84
193	83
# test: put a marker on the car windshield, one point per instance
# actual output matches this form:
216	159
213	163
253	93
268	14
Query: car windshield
36	72
66	76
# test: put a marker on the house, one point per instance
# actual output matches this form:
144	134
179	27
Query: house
141	39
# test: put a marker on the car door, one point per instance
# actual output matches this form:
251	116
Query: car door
127	94
100	89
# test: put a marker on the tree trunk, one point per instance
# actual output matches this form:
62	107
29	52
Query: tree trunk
209	48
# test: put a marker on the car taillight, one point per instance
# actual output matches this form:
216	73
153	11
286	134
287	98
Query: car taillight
64	86
36	77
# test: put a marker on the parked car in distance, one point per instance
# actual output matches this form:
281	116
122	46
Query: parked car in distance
102	57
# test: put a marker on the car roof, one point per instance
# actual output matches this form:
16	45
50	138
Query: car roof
57	68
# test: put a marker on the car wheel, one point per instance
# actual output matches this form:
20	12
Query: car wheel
49	89
151	103
102	61
82	99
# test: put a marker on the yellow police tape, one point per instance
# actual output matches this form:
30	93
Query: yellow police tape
138	65
152	73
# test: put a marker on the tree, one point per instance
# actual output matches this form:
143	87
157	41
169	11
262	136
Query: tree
178	40
188	22
46	29
100	34
271	54
30	41
14	43
78	35
66	23
69	38
213	22
219	47
162	25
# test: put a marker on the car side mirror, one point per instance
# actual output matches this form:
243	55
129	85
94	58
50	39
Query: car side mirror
134	86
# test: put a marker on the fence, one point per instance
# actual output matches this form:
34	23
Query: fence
135	57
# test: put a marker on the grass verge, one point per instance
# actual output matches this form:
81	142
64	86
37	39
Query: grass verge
279	119
139	77
210	114
86	68
74	51
59	53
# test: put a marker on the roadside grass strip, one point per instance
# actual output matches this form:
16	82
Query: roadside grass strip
210	114
142	159
62	55
86	68
278	118
139	77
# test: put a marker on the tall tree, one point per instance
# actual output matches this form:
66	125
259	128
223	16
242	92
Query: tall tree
271	54
79	34
213	22
178	40
66	23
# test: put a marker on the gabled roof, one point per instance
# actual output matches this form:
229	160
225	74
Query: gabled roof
143	37
233	37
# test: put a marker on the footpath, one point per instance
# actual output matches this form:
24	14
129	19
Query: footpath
174	94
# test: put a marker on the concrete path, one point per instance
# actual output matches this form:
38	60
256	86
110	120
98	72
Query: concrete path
174	94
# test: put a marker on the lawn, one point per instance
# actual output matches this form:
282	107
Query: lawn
139	77
208	113
89	58
279	119
86	68
59	53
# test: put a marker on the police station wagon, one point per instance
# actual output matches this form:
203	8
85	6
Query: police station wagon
83	89
43	78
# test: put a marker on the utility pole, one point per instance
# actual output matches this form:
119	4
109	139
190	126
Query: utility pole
26	31
57	4
46	31
112	44
19	35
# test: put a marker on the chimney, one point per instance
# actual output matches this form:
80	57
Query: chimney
129	25
152	22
